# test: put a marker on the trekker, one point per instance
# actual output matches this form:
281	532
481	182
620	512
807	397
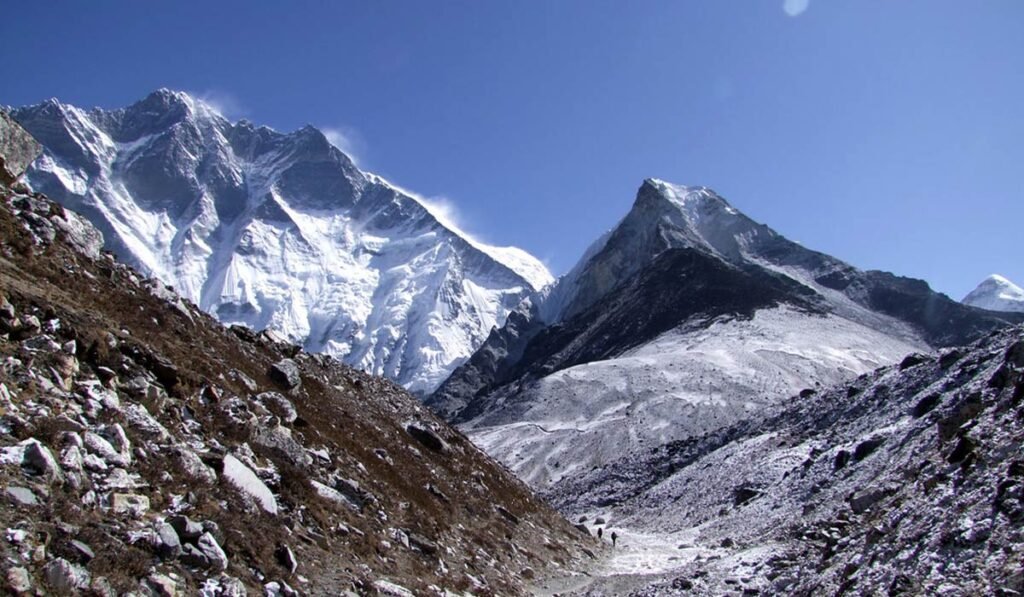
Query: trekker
600	532
614	538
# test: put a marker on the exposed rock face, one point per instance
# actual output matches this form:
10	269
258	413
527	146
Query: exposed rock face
145	448
17	150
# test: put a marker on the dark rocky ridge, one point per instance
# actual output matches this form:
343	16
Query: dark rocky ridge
628	273
124	409
679	285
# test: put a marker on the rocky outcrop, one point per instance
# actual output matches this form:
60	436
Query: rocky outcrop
17	150
145	448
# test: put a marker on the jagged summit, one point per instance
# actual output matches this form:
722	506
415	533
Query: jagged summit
280	230
996	293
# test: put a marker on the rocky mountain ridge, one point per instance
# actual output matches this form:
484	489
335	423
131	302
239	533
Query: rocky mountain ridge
688	316
280	231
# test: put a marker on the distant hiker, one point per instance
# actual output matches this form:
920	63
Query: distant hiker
600	532
614	538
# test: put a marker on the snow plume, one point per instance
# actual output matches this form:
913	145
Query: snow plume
795	8
346	139
221	102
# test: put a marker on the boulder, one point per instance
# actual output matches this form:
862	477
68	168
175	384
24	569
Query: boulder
242	477
186	529
861	502
65	577
286	373
18	149
167	541
161	585
130	504
40	460
194	467
18	581
22	495
212	551
278	440
426	437
280	406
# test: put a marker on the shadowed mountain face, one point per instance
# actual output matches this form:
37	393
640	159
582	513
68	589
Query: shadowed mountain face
281	231
686	316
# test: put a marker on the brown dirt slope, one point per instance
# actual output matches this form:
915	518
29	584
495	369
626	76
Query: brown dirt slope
140	399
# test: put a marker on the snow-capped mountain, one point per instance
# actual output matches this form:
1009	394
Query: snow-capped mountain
996	293
688	316
281	231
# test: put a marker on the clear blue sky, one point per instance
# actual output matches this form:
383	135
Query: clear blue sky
887	133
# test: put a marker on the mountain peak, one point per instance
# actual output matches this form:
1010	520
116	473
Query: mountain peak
996	293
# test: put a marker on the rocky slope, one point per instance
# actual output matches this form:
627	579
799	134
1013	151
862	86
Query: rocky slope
281	231
685	318
144	447
996	293
907	481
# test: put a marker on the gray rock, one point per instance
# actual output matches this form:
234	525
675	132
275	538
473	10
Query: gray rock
185	528
421	543
84	552
161	585
18	149
22	495
279	405
167	541
863	501
192	556
279	440
242	477
209	547
426	437
40	460
131	504
18	580
194	467
286	373
101	587
80	233
65	577
99	446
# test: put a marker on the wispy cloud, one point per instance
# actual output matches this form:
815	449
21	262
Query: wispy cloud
795	8
347	139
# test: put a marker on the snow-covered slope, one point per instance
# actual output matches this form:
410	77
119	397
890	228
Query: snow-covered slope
280	231
686	317
684	383
996	293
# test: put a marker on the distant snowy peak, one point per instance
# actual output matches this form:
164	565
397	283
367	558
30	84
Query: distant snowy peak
281	231
996	293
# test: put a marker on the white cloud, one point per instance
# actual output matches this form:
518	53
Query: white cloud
347	139
795	8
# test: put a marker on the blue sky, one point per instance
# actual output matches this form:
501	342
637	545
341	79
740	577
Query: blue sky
889	134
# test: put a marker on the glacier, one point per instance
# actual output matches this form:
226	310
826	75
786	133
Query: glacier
280	231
